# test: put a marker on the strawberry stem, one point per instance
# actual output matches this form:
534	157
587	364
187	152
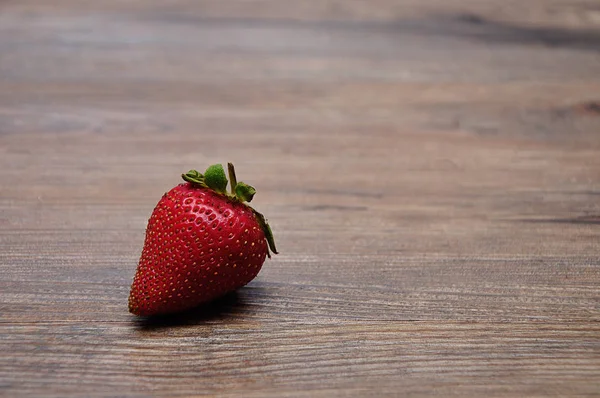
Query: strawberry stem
232	177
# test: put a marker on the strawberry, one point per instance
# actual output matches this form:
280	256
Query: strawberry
201	242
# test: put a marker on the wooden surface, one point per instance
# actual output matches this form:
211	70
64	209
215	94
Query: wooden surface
431	170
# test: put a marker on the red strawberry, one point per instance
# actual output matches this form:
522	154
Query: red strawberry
201	242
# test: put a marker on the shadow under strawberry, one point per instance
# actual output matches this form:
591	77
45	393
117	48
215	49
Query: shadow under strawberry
226	307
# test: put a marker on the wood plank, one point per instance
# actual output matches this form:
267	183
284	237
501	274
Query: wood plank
431	171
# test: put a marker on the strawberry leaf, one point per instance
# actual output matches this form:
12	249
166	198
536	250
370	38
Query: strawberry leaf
214	178
244	192
267	231
194	177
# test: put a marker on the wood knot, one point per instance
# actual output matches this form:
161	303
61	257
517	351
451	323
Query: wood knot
588	108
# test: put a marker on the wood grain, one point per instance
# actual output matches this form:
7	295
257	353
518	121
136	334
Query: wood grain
431	171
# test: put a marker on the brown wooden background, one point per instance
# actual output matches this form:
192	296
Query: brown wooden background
431	170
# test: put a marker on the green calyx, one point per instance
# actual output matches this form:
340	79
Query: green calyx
244	192
214	178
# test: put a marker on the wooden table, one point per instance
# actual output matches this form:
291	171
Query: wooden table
431	170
